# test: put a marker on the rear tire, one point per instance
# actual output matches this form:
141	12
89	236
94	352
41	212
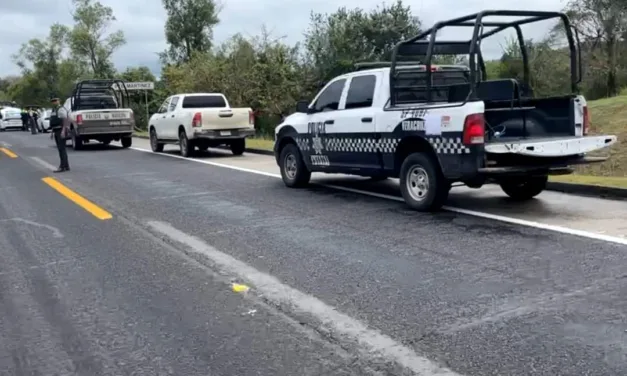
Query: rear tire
126	142
184	145
523	189
77	141
293	169
238	146
155	145
423	186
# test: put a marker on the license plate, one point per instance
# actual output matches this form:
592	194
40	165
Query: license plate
225	133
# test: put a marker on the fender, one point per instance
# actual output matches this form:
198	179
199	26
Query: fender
285	133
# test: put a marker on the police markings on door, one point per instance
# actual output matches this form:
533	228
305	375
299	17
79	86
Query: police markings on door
315	129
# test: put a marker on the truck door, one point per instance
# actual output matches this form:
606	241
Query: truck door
158	120
354	142
321	124
170	122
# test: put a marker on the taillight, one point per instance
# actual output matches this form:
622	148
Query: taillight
79	119
197	120
474	129
251	118
586	120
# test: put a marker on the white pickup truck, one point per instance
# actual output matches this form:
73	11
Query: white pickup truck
431	126
201	120
10	118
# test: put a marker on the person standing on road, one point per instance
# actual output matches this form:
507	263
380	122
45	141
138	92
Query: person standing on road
58	124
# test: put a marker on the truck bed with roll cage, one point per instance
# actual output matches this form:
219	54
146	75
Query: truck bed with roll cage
431	126
99	110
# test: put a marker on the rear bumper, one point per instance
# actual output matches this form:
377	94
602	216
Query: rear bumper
562	168
222	134
4	124
100	129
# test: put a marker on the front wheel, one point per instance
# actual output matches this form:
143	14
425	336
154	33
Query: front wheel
238	146
523	189
423	186
293	170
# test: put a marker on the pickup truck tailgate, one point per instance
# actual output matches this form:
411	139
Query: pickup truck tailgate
104	121
234	118
550	147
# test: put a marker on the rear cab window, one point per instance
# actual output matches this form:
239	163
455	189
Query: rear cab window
361	91
204	101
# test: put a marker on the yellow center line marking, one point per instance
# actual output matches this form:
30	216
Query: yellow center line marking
79	200
8	152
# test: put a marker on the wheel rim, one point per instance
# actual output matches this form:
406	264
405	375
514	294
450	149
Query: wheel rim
417	183
290	166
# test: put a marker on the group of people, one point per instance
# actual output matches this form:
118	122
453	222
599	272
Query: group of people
58	125
30	119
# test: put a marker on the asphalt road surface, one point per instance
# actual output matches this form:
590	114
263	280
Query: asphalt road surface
126	265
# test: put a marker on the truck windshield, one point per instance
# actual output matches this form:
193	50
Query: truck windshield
204	101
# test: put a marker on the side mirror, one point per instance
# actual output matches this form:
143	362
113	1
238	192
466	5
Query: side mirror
302	107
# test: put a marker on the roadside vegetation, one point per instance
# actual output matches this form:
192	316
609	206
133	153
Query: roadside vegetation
269	75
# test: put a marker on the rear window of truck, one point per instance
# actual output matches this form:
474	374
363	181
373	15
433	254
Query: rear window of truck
204	101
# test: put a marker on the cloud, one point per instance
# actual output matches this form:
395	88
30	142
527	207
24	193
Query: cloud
142	22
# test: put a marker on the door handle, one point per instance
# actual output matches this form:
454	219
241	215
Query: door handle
172	115
163	117
366	120
329	122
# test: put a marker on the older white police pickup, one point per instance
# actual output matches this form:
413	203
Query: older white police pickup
432	125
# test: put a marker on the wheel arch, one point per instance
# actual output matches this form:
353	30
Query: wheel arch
413	144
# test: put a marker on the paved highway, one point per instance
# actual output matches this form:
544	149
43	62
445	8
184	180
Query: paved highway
126	265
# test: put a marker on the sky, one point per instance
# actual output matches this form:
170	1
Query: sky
143	21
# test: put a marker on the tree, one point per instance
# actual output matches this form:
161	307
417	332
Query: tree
89	38
603	23
333	43
189	27
39	59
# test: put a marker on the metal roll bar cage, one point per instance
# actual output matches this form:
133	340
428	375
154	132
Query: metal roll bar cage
419	46
90	88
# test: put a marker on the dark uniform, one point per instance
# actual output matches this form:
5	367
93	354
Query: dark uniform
58	118
24	115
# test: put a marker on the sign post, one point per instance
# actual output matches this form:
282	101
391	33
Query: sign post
145	86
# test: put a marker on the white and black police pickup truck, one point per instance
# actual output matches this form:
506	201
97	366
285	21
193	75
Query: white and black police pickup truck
431	126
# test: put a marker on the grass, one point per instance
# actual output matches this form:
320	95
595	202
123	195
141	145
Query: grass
608	116
251	142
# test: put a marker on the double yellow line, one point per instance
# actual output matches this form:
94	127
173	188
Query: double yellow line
79	200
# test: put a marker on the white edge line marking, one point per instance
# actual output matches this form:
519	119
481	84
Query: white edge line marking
495	217
43	163
370	341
